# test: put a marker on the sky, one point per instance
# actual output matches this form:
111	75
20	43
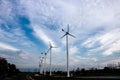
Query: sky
27	27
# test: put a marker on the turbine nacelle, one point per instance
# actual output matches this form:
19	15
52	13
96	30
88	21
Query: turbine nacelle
51	46
62	29
67	32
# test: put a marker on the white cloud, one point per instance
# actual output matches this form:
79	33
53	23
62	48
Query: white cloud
94	59
7	47
16	35
73	50
5	56
108	42
6	9
11	52
23	56
38	32
113	48
112	61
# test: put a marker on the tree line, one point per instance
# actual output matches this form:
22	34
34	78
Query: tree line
109	70
7	69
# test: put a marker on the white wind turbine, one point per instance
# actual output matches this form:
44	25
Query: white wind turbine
50	48
45	56
41	66
42	63
67	51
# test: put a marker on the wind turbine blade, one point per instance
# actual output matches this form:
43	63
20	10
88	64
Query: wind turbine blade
48	50
54	47
71	35
50	44
63	36
68	28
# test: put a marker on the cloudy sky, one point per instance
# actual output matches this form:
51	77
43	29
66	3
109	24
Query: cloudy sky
27	26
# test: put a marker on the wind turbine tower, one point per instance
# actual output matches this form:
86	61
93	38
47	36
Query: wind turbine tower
67	51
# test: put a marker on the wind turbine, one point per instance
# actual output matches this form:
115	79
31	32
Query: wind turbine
67	52
50	45
45	56
41	64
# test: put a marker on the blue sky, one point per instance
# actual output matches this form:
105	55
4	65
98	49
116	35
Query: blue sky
27	26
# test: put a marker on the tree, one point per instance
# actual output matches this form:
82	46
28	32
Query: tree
3	67
7	68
